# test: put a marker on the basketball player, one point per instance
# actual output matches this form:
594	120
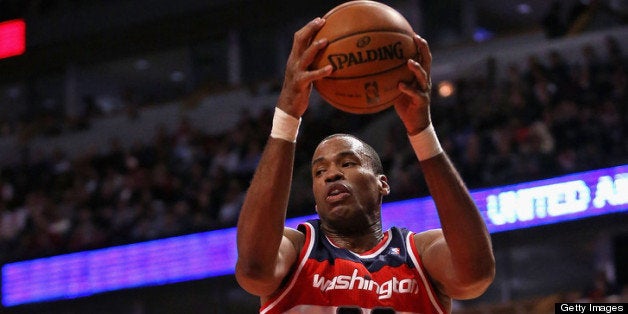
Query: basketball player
344	262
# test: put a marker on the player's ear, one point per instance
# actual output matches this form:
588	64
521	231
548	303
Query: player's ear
316	208
384	187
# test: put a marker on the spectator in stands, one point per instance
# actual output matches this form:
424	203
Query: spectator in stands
552	22
600	289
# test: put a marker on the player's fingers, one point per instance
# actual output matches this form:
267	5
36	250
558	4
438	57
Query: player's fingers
412	90
310	53
424	83
425	56
319	73
303	37
304	78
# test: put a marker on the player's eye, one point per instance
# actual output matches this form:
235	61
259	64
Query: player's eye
318	172
349	163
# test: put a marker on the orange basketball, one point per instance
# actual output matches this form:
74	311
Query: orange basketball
369	46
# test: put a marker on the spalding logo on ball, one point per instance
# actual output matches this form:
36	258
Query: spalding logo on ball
369	45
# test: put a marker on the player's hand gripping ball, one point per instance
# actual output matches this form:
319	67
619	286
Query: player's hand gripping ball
369	46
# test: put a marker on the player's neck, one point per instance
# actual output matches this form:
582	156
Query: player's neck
356	242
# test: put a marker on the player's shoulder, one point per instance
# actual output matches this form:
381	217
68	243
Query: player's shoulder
423	240
295	236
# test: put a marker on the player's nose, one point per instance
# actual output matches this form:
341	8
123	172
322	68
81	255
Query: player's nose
333	174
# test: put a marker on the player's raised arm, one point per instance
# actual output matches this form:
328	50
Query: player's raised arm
266	251
459	258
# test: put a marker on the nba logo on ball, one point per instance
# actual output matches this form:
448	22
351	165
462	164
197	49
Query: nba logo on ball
372	93
369	45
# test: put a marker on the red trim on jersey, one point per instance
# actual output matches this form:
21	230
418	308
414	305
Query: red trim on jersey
305	253
418	263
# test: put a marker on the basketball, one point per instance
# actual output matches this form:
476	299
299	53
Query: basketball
369	46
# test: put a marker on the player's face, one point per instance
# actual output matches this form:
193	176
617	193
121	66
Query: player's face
345	187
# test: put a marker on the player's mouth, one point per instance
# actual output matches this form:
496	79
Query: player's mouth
337	192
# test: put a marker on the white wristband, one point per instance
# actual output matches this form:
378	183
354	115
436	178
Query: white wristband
285	126
425	143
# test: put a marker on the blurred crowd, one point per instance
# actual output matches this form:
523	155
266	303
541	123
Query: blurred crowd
546	117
